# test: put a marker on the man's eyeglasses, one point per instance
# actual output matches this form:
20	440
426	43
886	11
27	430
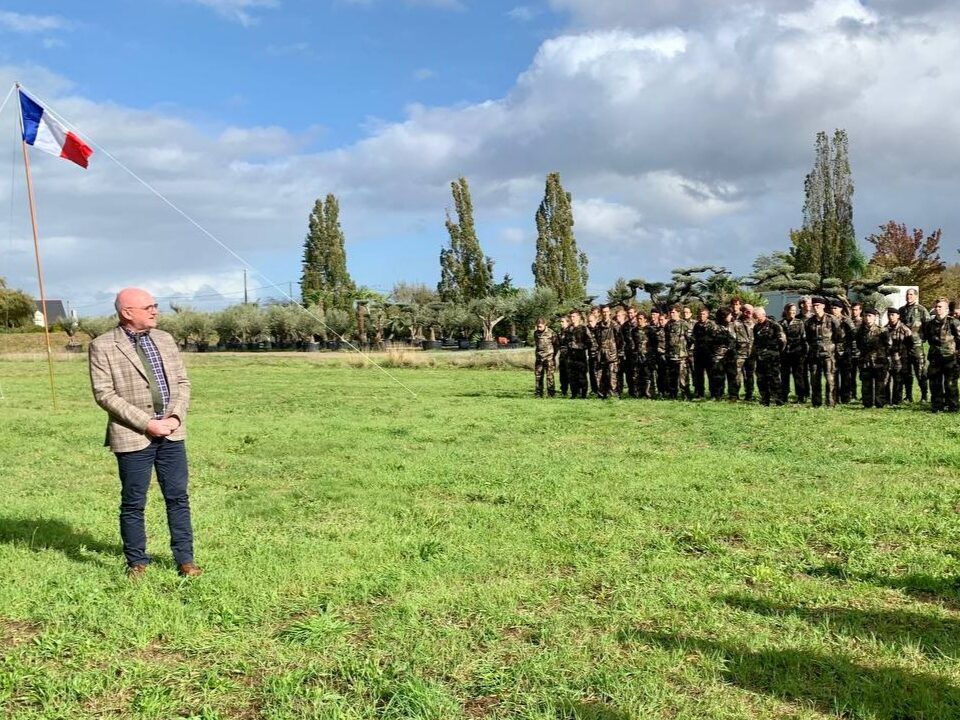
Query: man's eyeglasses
148	308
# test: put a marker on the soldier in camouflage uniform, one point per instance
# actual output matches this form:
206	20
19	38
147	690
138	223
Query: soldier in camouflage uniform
593	319
660	357
914	316
794	359
578	350
942	333
630	352
853	350
823	334
701	352
769	341
642	337
686	316
678	340
901	346
608	355
841	386
805	312
749	369
874	344
722	343
742	349
563	341
623	348
545	347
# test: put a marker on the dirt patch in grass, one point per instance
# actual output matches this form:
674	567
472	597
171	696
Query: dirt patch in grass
16	632
481	706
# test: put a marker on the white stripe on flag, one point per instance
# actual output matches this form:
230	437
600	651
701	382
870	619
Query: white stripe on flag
50	136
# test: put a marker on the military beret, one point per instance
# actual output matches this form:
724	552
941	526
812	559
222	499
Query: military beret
871	311
819	301
893	311
837	304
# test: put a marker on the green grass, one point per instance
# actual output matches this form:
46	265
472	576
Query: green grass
476	553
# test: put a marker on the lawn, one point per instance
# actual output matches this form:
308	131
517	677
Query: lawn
473	552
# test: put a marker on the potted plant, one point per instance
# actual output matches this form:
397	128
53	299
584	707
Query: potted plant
491	310
70	326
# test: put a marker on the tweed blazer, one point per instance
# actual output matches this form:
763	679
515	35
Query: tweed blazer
120	387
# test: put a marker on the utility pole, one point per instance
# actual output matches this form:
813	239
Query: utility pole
245	299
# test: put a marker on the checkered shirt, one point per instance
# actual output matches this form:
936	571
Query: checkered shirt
156	364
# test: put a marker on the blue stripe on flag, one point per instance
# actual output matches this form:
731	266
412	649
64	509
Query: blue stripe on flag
32	112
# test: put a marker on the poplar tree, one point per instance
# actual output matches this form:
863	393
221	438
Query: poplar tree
326	280
465	272
827	244
558	264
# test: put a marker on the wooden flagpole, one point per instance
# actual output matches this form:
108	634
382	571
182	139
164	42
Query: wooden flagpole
36	252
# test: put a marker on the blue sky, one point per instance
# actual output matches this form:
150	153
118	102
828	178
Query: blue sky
683	129
337	65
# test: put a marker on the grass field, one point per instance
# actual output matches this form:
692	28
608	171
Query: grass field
476	553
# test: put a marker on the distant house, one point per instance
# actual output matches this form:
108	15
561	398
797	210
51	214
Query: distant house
55	312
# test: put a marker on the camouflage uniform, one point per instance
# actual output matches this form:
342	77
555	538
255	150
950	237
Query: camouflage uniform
749	369
943	339
562	344
647	351
593	361
722	343
660	361
769	341
578	352
794	360
742	349
823	334
628	356
677	348
842	388
545	346
901	347
608	359
701	357
641	349
874	344
915	317
623	337
853	355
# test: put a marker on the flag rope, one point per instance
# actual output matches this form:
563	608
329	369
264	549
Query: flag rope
215	239
7	98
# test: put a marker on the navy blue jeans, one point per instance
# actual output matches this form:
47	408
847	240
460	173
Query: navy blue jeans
136	468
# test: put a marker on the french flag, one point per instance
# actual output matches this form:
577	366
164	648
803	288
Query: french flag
42	131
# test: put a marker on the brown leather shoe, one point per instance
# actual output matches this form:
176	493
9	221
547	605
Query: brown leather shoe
189	570
136	572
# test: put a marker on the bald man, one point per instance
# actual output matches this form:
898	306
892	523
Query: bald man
139	379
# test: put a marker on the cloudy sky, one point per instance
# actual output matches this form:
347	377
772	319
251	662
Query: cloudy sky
683	129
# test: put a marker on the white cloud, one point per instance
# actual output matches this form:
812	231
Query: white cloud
523	13
241	11
421	74
680	145
28	24
439	4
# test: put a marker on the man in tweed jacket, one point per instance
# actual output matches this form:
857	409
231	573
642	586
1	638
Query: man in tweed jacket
138	377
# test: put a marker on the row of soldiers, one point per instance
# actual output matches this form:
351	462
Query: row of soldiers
817	345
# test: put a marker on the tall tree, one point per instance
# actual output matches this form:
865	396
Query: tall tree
558	264
465	272
326	280
895	247
826	244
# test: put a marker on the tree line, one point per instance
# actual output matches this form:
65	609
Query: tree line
823	257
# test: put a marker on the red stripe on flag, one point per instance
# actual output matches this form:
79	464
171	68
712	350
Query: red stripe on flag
75	150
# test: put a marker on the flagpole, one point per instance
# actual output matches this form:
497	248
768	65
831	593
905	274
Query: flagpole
36	252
